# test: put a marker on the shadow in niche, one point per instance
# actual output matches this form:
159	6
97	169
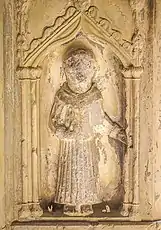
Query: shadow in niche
56	210
98	211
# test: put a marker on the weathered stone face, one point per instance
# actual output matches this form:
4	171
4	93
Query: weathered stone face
80	68
80	121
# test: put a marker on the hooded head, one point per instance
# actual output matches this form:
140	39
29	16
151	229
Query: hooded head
80	68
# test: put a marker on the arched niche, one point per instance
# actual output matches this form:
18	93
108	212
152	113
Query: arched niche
68	26
109	80
41	75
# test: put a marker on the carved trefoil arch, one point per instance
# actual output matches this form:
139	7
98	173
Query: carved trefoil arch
66	28
68	25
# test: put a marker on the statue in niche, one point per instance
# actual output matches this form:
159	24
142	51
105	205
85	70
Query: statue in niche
77	118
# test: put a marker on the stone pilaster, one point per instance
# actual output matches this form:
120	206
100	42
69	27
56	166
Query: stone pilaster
29	78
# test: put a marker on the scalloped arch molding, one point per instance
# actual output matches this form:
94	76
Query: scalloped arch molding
67	26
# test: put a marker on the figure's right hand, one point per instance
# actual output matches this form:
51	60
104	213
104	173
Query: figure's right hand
63	120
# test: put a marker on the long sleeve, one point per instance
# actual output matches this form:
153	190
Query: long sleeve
62	118
57	117
116	131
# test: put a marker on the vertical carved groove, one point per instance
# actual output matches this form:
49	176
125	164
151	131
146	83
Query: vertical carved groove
67	170
61	149
68	174
136	143
38	137
26	148
64	165
128	159
35	139
30	142
28	139
36	210
34	142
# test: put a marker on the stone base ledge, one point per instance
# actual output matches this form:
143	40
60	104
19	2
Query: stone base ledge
78	225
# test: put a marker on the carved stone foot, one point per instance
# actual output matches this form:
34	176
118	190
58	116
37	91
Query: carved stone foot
69	210
81	210
36	210
25	212
86	210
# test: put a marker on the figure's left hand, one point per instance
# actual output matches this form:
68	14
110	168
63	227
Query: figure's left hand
121	136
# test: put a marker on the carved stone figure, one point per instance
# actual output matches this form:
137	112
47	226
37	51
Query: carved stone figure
77	118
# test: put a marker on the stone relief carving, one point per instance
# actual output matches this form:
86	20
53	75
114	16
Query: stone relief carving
59	21
106	25
29	75
29	82
22	8
64	22
92	12
77	118
139	36
71	128
50	32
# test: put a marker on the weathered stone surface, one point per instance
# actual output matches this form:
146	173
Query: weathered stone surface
42	72
107	226
2	216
